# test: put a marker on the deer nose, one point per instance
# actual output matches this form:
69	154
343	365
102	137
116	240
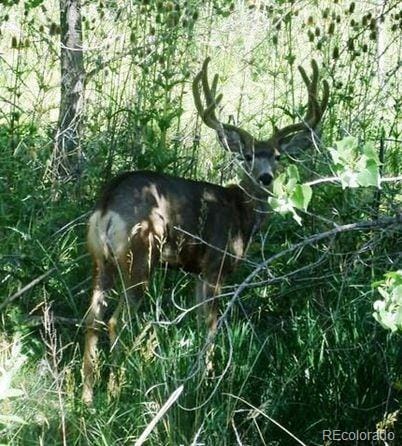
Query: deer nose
266	179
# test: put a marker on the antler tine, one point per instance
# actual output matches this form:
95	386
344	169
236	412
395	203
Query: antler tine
210	100
315	110
312	103
325	96
207	114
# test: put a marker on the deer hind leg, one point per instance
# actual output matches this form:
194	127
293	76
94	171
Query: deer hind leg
103	281
135	269
206	291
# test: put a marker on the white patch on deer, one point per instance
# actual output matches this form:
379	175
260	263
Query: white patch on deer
238	246
209	197
107	234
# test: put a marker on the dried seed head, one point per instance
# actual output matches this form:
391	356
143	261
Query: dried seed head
173	19
53	29
352	8
335	53
290	59
331	28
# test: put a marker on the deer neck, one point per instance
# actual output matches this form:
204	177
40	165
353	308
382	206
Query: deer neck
256	198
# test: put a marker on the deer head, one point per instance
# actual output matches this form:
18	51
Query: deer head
260	156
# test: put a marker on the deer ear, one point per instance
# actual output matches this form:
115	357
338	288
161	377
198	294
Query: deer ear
231	140
295	143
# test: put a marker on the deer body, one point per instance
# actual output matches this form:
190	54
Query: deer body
187	224
145	218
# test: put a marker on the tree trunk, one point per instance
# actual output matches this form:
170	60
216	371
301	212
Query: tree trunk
66	158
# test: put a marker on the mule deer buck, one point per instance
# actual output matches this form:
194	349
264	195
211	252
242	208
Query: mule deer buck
146	217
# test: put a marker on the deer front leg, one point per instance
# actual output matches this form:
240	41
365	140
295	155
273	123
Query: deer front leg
103	281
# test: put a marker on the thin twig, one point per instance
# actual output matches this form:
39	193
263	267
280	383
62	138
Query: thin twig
260	412
359	226
26	288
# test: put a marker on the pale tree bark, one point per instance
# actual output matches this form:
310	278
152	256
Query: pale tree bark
66	159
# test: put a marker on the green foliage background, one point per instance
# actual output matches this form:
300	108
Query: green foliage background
303	349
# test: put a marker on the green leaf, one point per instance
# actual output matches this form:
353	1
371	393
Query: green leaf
347	148
290	185
335	156
397	294
301	196
371	153
278	186
348	178
394	276
370	175
274	203
293	172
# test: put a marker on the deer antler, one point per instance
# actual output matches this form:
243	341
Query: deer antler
315	109
212	100
238	140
